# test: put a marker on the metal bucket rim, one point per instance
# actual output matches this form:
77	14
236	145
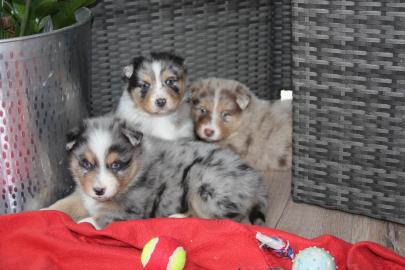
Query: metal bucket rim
83	16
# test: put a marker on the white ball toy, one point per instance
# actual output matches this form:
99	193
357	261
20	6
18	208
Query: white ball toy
314	258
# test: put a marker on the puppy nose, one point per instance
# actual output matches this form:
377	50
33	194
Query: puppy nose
160	102
99	191
208	132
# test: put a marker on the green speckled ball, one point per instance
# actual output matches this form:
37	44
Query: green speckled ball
314	258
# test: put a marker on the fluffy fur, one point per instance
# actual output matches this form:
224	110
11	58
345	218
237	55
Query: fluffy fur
228	113
123	175
148	79
155	97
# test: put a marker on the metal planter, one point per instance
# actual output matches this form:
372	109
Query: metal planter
44	81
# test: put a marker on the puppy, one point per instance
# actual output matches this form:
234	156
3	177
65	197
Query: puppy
123	175
228	113
155	97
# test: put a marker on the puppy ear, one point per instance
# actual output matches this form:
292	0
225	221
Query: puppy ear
73	137
176	59
195	87
133	136
243	96
180	59
127	71
191	91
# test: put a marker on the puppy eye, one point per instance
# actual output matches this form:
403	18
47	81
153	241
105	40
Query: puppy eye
170	81
86	164
118	165
225	115
144	86
202	110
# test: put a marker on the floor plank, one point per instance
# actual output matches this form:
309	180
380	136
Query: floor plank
369	229
396	238
312	221
279	187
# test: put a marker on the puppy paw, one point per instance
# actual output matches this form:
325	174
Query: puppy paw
91	221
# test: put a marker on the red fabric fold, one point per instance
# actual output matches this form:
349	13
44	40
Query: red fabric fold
51	240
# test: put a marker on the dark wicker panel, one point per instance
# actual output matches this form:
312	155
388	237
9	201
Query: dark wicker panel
349	106
281	55
245	40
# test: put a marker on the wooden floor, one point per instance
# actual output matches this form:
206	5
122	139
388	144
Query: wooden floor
311	221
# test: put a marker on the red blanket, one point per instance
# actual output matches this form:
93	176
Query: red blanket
51	240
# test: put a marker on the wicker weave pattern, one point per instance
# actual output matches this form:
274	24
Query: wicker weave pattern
240	39
349	108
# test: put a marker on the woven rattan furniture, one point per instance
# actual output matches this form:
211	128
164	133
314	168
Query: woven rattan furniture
240	39
349	106
348	75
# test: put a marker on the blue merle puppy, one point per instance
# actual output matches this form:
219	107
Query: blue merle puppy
122	174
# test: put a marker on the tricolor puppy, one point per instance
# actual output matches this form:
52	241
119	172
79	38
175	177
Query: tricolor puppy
228	113
155	97
123	175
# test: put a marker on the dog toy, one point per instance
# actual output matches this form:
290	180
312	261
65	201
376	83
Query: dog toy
277	245
162	253
314	258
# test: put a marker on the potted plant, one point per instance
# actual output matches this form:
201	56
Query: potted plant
44	80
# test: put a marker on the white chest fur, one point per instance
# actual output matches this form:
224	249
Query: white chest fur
90	204
169	127
164	128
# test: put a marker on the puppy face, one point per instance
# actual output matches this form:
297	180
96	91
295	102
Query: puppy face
104	157
218	105
156	83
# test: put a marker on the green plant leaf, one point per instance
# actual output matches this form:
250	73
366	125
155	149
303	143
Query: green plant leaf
5	8
38	10
20	2
73	5
43	8
43	22
25	17
62	19
14	11
31	27
18	10
66	14
32	20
